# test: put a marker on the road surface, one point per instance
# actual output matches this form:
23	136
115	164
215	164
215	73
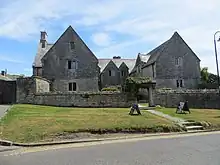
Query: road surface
202	149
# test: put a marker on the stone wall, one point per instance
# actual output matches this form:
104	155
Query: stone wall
80	99
209	99
29	86
7	92
35	90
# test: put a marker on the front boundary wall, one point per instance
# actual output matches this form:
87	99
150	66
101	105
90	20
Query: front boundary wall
35	90
205	99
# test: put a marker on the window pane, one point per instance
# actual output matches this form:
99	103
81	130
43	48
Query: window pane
74	65
72	45
70	87
69	65
74	86
109	73
113	73
177	83
181	83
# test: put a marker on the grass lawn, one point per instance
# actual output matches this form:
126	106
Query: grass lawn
32	123
200	115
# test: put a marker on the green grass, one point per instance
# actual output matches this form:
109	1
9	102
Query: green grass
211	116
32	123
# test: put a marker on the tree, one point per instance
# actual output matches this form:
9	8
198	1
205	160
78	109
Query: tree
208	80
204	75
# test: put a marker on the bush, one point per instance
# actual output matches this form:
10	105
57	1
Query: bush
111	89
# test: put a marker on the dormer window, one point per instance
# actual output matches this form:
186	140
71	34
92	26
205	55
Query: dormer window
72	45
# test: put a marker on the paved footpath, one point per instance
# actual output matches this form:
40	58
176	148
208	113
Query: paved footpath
174	119
3	109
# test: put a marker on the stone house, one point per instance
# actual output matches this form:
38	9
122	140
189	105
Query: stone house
173	64
114	71
68	63
71	66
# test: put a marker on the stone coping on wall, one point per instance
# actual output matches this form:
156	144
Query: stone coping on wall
82	93
33	77
189	91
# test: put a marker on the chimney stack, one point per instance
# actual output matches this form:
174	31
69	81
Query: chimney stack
3	73
116	57
43	38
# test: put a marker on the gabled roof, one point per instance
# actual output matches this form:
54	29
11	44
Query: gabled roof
40	54
70	28
142	59
104	62
155	53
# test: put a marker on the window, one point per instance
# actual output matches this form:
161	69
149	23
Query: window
111	73
122	73
72	86
72	45
43	44
179	83
72	64
178	61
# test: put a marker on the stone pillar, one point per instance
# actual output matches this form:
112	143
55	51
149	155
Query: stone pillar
150	95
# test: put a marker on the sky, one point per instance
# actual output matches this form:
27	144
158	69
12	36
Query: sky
109	27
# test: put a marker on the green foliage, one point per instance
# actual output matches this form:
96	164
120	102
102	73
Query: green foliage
132	84
112	89
208	80
204	75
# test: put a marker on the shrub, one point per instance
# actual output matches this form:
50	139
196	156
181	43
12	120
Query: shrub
111	89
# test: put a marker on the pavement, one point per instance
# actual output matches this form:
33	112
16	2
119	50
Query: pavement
3	109
171	118
195	149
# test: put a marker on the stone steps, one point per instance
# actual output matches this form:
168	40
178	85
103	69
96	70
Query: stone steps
191	126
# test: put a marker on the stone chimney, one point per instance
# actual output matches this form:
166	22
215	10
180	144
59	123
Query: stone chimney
116	57
3	73
43	38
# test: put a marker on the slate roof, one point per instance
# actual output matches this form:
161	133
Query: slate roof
5	78
129	62
40	53
144	57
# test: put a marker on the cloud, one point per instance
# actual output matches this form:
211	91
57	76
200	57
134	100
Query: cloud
131	23
101	39
11	60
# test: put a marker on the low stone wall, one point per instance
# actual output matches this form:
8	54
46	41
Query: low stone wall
34	90
80	100
209	99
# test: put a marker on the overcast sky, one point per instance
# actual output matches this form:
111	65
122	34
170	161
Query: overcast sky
109	27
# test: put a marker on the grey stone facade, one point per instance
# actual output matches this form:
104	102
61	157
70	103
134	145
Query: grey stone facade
196	98
69	60
173	65
114	71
